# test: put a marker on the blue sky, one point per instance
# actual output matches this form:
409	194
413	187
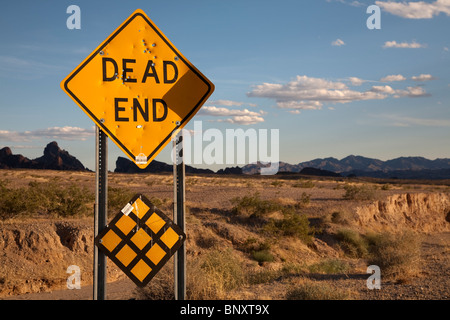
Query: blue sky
311	69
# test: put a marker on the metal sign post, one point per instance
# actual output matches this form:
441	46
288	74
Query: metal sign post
178	215
101	211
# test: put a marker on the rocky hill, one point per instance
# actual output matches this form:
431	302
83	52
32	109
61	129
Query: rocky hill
402	168
54	158
124	165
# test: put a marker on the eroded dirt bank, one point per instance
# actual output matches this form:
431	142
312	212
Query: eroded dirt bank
35	254
422	212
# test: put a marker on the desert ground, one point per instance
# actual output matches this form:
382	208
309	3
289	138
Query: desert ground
248	237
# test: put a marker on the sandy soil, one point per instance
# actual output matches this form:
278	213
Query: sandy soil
35	252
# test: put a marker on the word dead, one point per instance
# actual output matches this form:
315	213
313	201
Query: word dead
148	76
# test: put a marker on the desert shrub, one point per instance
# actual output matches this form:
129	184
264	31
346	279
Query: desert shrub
253	206
311	290
363	192
329	266
214	275
292	224
304	184
13	202
262	256
397	255
252	244
118	198
277	183
304	201
386	186
71	201
352	243
263	276
160	287
45	199
341	217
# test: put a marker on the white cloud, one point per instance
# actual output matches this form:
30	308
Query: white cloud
307	93
310	93
54	133
350	3
412	92
338	43
423	77
243	120
230	103
356	81
240	116
302	105
383	89
401	121
393	77
417	9
404	45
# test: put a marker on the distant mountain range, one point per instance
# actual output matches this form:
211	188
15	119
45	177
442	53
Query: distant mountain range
403	167
55	158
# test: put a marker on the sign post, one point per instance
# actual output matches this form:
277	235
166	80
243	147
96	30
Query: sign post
139	89
101	211
179	218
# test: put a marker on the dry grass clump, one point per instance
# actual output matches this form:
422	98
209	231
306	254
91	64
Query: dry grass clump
209	277
306	289
397	255
215	276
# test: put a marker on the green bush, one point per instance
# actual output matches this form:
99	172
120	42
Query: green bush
262	256
118	198
352	243
253	206
292	224
330	266
44	199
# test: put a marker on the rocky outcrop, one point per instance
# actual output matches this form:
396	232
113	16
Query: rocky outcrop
417	211
54	158
230	170
124	165
8	160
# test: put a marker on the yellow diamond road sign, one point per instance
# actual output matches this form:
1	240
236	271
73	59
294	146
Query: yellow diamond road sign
140	240
138	88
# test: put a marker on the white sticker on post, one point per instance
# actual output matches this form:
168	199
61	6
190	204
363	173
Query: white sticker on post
127	209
